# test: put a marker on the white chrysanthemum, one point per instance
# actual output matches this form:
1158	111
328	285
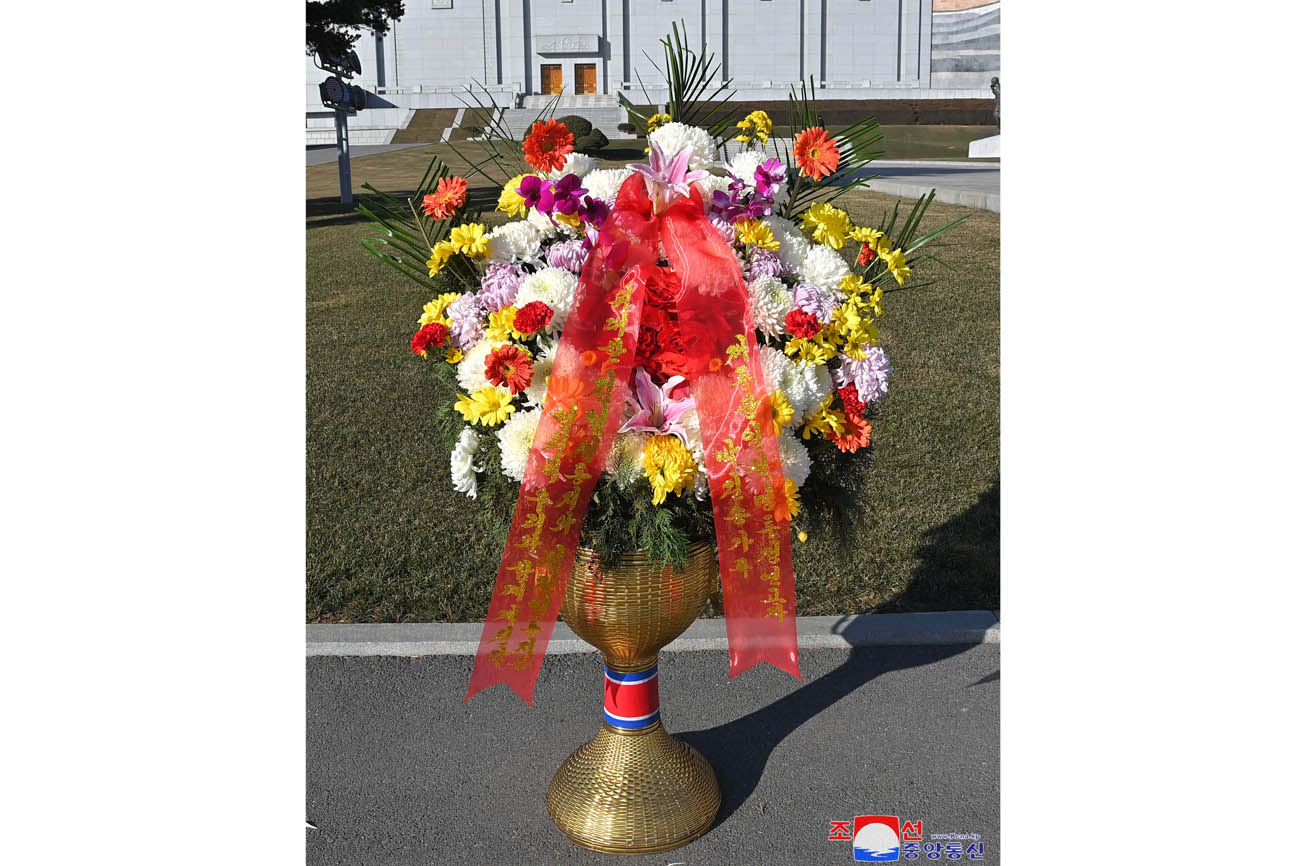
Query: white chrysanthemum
817	380
471	372
575	163
771	301
712	183
605	182
672	137
743	164
464	474
542	223
516	438
514	241
794	458
825	268
554	288
624	461
543	363
804	385
793	245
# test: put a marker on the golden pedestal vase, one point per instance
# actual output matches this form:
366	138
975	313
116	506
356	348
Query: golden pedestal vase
633	789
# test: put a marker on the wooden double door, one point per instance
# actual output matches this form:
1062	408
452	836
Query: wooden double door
584	78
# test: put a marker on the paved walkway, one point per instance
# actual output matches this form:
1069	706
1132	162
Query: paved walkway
973	184
400	771
322	155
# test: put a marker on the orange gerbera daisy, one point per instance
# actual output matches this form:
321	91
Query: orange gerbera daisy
443	201
815	153
511	367
857	434
547	144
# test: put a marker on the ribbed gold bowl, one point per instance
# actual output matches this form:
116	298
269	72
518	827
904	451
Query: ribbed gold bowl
635	791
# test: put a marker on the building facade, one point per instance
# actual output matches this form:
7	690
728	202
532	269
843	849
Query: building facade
592	51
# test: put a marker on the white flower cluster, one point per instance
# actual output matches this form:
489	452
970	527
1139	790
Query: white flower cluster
793	245
804	385
604	183
516	438
823	267
553	287
672	137
464	474
770	300
515	241
575	163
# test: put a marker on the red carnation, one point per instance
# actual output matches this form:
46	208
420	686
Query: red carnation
866	256
432	334
853	406
802	324
532	317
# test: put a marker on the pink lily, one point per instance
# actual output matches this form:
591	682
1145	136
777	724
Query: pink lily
668	179
658	411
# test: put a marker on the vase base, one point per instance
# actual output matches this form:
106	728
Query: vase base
633	792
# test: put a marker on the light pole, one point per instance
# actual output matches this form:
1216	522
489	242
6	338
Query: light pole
345	99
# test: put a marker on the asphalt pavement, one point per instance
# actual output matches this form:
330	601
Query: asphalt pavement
401	771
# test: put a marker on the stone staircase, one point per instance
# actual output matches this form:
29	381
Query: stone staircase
427	124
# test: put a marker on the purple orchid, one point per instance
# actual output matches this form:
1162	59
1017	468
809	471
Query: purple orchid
567	192
668	179
657	411
533	190
768	176
594	211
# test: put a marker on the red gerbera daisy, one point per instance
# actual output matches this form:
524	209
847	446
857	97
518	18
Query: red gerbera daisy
532	317
444	200
547	144
432	334
511	367
857	434
815	153
802	324
866	256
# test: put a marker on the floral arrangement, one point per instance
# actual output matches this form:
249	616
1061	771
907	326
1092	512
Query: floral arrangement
504	265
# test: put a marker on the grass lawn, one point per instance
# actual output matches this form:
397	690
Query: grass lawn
388	540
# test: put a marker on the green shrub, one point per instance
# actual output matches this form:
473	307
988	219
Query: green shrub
579	126
589	143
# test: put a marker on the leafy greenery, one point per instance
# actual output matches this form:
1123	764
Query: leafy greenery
696	96
333	25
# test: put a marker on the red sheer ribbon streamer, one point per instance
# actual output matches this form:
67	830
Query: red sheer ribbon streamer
582	412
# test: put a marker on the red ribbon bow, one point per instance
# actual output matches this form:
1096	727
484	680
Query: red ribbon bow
583	410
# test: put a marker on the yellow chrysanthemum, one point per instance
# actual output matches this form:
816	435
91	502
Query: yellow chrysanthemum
872	300
470	239
656	121
866	235
824	421
811	350
439	255
758	123
501	325
454	356
829	224
897	265
668	465
792	498
751	231
803	536
487	406
853	285
510	200
433	311
782	411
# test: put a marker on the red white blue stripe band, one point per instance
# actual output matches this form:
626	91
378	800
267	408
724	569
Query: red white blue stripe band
632	699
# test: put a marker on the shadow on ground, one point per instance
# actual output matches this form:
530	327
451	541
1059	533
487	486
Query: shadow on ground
960	559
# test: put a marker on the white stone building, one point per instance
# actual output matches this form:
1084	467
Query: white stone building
592	51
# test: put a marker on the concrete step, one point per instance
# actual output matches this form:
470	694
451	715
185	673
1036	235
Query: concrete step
427	124
570	101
